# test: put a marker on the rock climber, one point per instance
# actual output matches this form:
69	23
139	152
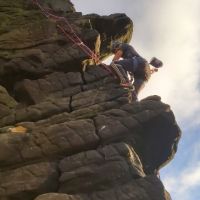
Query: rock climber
138	68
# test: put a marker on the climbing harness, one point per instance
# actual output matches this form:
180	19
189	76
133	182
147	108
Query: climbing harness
125	82
66	28
119	74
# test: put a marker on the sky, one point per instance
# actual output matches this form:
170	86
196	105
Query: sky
169	30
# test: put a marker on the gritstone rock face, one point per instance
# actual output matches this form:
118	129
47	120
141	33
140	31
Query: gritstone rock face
68	134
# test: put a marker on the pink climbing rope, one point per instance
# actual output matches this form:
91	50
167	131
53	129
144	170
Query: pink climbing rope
67	31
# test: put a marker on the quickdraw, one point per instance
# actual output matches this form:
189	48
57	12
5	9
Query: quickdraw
66	28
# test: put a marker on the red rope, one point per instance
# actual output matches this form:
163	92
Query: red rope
68	31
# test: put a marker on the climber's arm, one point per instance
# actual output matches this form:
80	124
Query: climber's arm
117	55
154	70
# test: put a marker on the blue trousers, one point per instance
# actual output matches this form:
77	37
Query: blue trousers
130	65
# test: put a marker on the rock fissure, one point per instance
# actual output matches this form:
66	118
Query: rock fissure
83	78
70	104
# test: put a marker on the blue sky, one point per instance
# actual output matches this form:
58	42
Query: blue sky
169	30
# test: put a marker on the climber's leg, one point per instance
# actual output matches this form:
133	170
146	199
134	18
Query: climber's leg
121	74
139	84
116	70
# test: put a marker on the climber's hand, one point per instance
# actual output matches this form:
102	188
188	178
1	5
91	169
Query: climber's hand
154	70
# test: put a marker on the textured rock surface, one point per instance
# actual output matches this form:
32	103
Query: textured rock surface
83	139
149	187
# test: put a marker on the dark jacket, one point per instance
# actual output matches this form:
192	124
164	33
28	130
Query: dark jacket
140	68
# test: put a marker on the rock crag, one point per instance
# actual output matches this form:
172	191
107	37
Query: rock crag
66	134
